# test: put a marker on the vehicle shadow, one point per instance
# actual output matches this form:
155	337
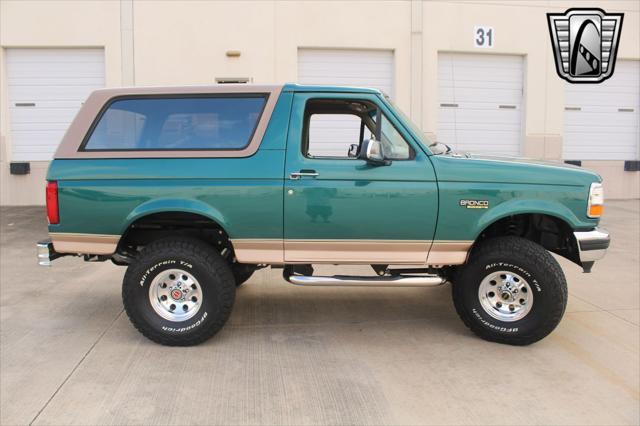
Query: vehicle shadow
270	301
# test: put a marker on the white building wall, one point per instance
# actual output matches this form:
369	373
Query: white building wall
173	42
35	24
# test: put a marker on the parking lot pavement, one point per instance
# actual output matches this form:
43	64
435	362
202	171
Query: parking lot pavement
292	355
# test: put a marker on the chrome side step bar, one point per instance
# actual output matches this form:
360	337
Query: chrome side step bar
354	281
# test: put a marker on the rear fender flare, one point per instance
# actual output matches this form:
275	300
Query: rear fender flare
164	205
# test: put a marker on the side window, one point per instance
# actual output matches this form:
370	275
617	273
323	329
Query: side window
118	129
331	135
331	126
170	123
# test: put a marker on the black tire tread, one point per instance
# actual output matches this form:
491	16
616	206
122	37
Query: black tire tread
241	273
549	269
208	259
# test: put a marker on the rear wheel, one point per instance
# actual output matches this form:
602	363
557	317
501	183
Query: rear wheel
178	292
511	291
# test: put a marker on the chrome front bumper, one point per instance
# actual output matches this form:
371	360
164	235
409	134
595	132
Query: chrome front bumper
46	253
592	245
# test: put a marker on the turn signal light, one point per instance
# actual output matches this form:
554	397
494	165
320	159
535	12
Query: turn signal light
596	200
596	211
53	213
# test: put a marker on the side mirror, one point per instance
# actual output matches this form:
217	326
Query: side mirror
373	153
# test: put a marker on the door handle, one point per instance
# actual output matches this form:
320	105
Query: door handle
303	173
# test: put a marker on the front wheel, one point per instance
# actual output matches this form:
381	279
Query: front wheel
178	292
242	272
511	291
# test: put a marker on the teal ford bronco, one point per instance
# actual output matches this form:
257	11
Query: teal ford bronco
195	188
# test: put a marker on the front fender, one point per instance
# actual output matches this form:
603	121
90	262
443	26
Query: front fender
460	221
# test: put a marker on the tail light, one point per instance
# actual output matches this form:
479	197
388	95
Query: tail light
53	212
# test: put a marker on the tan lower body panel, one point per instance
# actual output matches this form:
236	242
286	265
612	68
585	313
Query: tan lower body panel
272	251
449	252
397	252
356	251
259	251
84	243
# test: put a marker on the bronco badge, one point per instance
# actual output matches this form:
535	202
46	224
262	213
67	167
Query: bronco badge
475	204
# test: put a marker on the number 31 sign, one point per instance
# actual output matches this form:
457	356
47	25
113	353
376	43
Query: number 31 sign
483	37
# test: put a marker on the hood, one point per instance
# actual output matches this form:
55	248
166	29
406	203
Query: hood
490	168
522	160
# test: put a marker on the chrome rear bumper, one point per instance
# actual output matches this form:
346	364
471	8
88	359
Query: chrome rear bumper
46	253
592	245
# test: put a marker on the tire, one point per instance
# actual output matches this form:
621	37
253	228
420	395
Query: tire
527	275
242	272
154	282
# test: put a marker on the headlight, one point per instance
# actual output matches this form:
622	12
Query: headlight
596	200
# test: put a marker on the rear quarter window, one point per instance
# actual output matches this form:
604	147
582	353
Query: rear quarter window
177	123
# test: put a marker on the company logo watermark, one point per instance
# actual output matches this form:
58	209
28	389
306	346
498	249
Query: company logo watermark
585	43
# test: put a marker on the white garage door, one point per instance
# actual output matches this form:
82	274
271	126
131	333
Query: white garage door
46	89
347	67
480	102
342	67
601	121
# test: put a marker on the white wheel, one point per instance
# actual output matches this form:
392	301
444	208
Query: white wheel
506	296
175	295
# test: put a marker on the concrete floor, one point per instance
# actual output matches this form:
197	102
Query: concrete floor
294	355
